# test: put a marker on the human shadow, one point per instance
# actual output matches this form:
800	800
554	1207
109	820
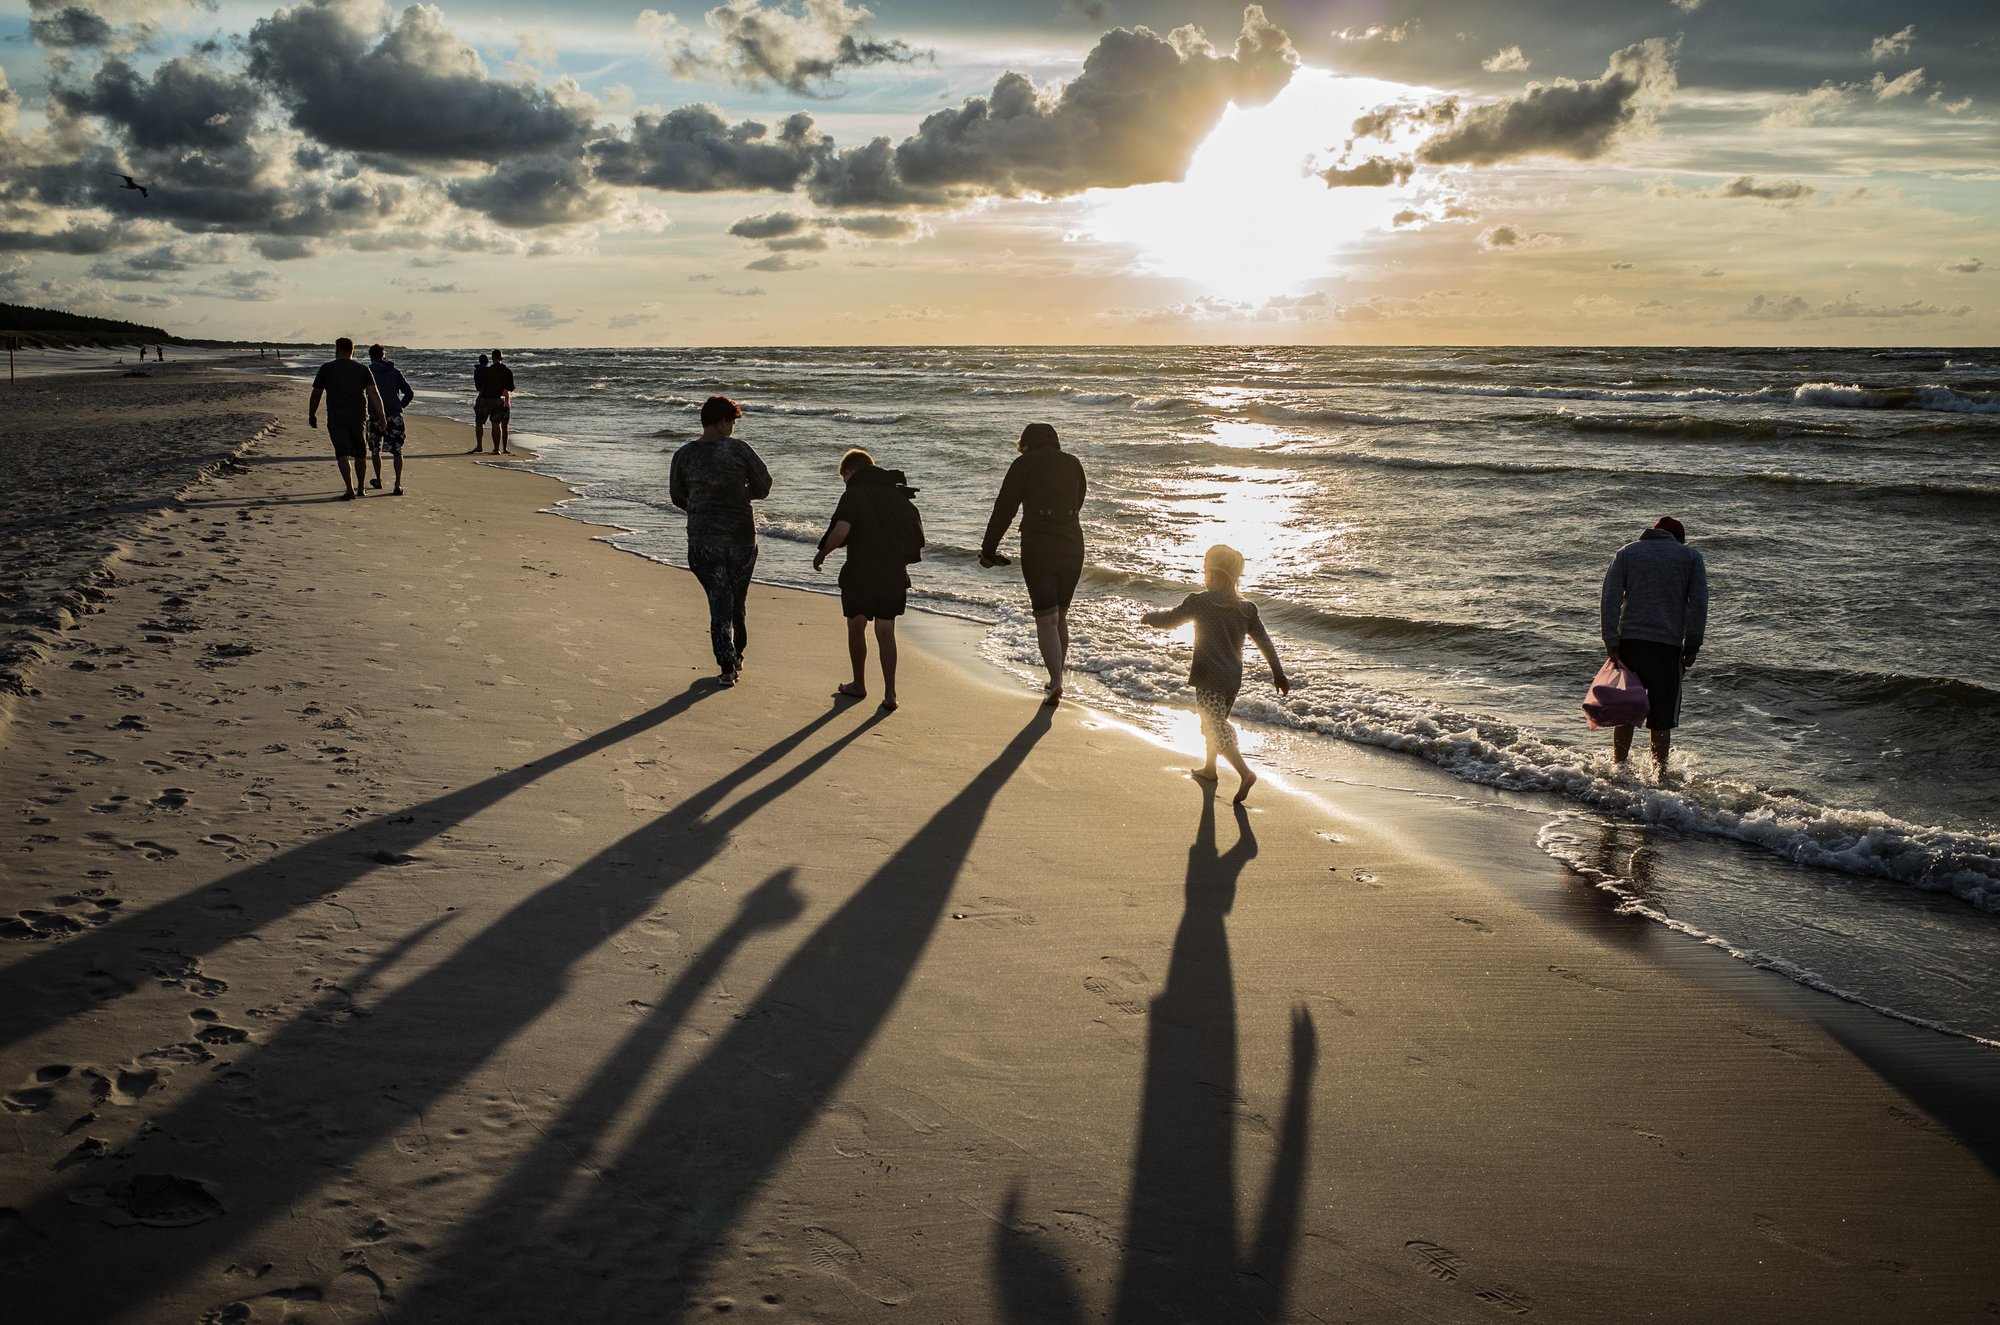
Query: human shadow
338	1079
659	1207
102	964
1182	1254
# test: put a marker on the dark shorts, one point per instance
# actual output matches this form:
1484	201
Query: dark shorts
490	407
875	597
386	436
349	437
1659	670
1051	574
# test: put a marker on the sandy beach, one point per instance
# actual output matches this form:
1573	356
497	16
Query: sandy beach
404	928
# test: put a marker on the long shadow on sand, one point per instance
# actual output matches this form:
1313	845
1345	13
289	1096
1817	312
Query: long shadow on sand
102	964
636	1246
1182	1259
337	1081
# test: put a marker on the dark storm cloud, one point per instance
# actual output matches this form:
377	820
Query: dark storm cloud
1565	118
77	240
530	193
880	226
186	103
800	46
1134	115
1375	172
70	27
283	248
694	150
770	225
414	91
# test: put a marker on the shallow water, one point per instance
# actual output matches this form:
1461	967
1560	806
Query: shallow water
1427	530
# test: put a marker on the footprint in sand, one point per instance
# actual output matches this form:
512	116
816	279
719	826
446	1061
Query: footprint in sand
159	1200
994	911
833	1254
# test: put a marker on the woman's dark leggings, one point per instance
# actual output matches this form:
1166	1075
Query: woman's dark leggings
724	572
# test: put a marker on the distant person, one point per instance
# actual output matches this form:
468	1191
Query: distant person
714	479
351	400
1046	485
499	389
1655	616
479	416
1222	618
877	523
388	435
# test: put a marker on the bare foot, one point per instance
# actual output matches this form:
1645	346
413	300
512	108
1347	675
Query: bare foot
1053	697
851	690
1243	792
1202	774
887	706
396	492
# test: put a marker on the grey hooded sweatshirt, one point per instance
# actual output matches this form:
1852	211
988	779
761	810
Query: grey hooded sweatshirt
1657	590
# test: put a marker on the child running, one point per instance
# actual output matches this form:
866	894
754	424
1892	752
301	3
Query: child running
1221	619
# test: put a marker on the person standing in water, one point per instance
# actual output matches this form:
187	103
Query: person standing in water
1222	617
876	522
714	479
1046	485
1654	611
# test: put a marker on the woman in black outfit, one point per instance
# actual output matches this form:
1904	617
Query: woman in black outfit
1046	486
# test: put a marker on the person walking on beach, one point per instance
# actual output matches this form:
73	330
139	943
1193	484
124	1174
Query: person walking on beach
1654	613
878	524
714	478
388	434
1222	617
351	401
1046	485
494	383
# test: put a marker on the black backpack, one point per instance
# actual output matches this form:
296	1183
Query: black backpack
906	525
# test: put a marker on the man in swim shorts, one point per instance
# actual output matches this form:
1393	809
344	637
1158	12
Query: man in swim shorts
1654	613
351	400
388	434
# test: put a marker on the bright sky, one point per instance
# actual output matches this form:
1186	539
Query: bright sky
1073	171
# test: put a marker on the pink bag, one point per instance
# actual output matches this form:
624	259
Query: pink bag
1616	698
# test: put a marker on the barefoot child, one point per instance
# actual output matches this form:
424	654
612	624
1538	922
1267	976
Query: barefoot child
1221	620
876	523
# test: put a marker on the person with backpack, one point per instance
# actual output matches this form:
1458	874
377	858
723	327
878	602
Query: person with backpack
1045	484
879	525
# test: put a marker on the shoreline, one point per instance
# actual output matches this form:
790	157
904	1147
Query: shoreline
530	976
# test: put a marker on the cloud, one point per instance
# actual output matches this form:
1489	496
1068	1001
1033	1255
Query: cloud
1783	192
1134	115
1687	6
243	286
1375	172
76	238
1377	32
412	90
694	150
396	321
186	103
769	225
779	262
1808	107
164	261
799	46
1385	120
813	243
1506	60
1622	266
1507	238
880	226
533	193
1095	11
1896	43
1965	265
740	291
1903	85
70	27
283	248
1795	308
538	317
1407	217
1581	121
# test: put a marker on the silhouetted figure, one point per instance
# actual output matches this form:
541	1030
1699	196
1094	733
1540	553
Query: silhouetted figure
1222	618
877	523
1654	611
714	479
494	383
351	400
131	183
1046	485
388	434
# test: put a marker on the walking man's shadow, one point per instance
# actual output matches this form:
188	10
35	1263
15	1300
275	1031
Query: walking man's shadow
1182	1259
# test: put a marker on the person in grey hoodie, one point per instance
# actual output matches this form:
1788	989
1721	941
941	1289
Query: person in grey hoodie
1655	617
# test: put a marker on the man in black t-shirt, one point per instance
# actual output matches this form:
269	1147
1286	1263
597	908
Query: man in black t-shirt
875	581
351	401
494	384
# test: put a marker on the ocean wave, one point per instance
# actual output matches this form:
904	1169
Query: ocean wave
871	420
1695	426
1098	397
1151	404
1822	395
1294	413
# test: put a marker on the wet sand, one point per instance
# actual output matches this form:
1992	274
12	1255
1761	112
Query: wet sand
415	933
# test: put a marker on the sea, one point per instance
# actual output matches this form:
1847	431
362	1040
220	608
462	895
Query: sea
1426	533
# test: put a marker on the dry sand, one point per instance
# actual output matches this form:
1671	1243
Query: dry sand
414	934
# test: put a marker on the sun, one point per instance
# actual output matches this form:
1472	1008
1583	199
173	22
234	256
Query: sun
1251	221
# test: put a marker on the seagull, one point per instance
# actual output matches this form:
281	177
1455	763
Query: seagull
131	183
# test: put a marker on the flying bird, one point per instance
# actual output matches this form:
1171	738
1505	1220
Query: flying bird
131	183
